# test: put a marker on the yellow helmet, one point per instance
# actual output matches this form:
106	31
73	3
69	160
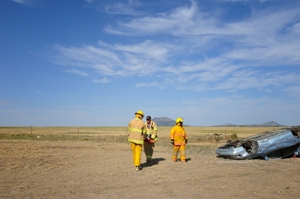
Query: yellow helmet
179	120
140	112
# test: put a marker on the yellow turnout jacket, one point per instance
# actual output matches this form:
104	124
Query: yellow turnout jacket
178	135
137	129
152	130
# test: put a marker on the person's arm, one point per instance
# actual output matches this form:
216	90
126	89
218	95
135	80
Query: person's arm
154	132
185	136
172	135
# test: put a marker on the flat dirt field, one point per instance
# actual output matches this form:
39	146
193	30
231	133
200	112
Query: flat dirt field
96	162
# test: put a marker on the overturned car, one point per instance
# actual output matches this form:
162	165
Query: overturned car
267	145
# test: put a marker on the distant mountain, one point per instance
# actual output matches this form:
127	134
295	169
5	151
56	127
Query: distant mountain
227	124
164	121
271	123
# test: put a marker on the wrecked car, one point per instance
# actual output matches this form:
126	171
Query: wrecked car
274	144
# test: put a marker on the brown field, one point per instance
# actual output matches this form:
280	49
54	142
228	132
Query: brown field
95	162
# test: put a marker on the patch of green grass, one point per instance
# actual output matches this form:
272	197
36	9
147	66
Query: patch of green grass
201	149
234	137
17	136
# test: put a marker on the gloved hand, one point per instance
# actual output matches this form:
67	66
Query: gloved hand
186	141
151	141
172	141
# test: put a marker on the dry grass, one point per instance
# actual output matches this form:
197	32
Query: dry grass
101	134
195	133
64	130
201	139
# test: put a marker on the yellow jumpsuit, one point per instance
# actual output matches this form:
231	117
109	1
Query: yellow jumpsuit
179	136
137	129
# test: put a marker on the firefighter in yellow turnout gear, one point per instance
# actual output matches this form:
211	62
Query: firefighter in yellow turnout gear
150	138
179	140
137	129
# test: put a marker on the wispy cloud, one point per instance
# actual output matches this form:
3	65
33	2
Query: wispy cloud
173	22
77	72
129	7
29	3
89	1
148	84
199	49
148	49
246	1
21	1
116	60
102	80
121	9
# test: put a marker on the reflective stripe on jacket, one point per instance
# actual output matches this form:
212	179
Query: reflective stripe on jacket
137	129
151	129
178	135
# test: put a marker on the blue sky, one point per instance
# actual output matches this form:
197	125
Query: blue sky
96	62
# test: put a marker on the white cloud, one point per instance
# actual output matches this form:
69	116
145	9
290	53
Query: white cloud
77	72
116	60
149	84
200	50
148	49
179	18
294	29
89	1
29	3
20	1
256	38
98	59
102	80
121	8
250	1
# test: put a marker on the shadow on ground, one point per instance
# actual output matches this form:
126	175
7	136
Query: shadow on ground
186	160
154	161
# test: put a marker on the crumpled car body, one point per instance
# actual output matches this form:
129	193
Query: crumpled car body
267	145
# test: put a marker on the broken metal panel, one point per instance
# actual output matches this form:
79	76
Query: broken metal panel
262	144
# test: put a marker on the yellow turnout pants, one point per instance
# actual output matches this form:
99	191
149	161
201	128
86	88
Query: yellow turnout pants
180	148
148	149
136	153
